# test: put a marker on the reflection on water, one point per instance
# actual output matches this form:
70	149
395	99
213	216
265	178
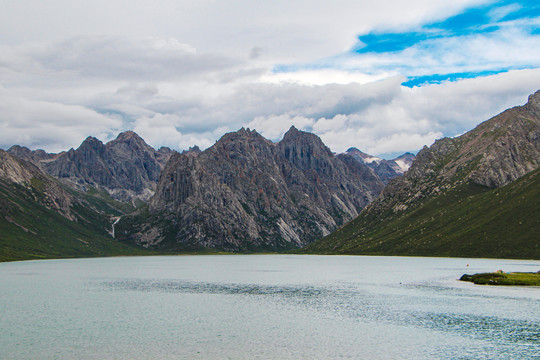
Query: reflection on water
360	304
270	307
212	288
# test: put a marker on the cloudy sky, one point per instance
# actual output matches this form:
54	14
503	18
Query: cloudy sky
385	76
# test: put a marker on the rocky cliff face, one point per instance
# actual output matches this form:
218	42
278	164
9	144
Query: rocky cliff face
385	169
126	167
451	183
247	193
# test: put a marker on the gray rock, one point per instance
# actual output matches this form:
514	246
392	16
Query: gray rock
126	167
246	193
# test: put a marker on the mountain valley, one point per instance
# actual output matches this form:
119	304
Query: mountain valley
476	195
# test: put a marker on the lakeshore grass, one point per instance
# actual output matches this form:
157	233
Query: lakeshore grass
501	278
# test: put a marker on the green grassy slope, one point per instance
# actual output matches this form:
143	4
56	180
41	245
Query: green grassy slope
468	221
29	230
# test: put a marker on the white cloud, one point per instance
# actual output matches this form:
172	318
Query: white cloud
337	123
511	46
115	58
380	117
298	30
322	77
49	125
274	126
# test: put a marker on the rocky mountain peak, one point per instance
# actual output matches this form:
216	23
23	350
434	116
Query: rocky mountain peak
192	151
241	133
305	150
128	135
12	169
404	161
533	104
406	155
303	138
534	99
167	150
90	143
246	192
385	169
126	167
294	133
129	139
360	155
244	144
46	191
19	151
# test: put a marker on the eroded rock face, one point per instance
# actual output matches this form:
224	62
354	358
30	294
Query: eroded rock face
126	167
247	193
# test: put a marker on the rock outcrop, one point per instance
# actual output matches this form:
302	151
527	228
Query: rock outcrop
246	193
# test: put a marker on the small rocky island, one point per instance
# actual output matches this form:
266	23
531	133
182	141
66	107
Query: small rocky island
502	278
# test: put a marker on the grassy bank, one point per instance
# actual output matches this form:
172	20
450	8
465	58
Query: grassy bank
500	278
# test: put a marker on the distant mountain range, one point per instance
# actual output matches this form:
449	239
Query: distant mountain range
474	195
385	169
127	167
245	193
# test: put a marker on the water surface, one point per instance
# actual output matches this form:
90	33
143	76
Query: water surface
265	306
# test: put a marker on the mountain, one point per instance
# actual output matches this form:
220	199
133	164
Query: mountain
246	193
385	169
126	167
41	218
36	157
403	162
474	195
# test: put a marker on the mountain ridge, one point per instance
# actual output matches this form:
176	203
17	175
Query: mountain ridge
246	193
126	167
42	218
494	154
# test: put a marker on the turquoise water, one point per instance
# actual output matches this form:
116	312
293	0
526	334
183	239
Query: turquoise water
266	307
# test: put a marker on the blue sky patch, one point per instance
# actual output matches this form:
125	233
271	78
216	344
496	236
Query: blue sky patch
438	78
472	21
380	43
480	41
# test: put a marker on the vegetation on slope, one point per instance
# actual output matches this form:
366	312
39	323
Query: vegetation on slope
467	221
30	230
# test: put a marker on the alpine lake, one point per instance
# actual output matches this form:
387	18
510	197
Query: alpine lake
265	307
